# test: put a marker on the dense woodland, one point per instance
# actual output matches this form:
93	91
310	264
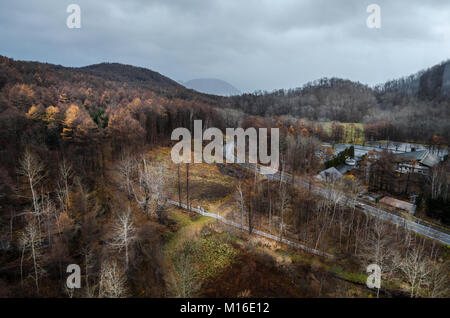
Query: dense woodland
415	108
61	130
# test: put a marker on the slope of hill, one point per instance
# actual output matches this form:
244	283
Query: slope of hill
418	106
212	86
130	74
432	84
110	75
325	99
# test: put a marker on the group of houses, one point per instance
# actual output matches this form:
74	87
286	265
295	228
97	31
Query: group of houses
415	161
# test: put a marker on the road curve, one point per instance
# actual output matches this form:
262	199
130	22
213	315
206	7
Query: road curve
426	230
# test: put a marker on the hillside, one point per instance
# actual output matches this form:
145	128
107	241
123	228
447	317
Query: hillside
432	84
112	75
416	106
131	74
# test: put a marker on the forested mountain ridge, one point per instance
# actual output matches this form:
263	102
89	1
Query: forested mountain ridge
131	74
346	100
414	108
323	99
113	74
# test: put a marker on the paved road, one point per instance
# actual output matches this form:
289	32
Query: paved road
426	230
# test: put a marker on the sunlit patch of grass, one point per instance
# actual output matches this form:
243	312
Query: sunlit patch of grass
208	185
190	226
211	250
355	277
347	126
182	219
160	154
213	256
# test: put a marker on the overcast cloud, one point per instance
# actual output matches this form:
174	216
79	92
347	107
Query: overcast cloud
253	44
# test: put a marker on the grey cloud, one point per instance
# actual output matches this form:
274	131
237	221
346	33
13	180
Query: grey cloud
253	44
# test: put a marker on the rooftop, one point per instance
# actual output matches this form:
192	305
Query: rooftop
422	156
409	207
329	175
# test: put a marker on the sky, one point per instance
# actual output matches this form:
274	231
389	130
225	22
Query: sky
252	44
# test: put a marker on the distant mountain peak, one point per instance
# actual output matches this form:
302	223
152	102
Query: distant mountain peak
212	86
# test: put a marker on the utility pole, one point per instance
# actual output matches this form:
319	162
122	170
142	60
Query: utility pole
188	203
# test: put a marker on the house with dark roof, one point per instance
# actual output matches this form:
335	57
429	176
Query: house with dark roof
329	175
416	162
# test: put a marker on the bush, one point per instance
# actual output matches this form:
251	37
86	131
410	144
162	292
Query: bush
340	158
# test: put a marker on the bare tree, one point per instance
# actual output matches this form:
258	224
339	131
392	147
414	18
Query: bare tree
241	202
438	179
188	199
32	168
415	267
113	282
124	233
185	283
160	181
352	188
30	239
65	174
379	244
150	192
48	212
125	169
379	248
335	195
438	281
323	219
179	183
322	215
142	191
269	193
283	202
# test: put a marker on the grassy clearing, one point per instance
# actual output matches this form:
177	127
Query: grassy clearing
354	277
339	270
347	132
214	256
208	186
189	229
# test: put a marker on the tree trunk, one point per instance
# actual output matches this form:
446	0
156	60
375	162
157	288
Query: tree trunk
188	203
